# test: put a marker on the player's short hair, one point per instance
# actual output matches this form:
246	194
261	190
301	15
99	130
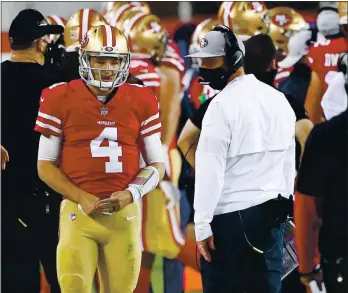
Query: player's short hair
259	54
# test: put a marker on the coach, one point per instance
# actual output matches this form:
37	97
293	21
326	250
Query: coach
29	212
245	170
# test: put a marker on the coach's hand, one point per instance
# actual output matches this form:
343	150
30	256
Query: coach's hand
203	247
116	202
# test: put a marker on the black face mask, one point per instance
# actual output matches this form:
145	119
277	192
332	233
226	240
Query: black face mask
216	78
267	77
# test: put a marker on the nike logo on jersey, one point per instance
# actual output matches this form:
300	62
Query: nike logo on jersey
130	218
42	99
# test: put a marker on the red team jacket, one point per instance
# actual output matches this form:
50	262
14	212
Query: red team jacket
323	57
100	149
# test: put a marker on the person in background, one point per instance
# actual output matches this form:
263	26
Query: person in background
322	200
323	57
29	207
294	77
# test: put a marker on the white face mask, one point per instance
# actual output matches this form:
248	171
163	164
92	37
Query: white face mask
328	22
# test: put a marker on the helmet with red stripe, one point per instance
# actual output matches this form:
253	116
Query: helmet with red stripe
78	25
54	20
284	23
198	34
245	19
115	10
147	37
104	41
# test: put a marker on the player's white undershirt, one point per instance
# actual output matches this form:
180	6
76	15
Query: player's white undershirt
49	148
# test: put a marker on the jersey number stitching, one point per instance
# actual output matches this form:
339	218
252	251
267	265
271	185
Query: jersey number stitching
113	151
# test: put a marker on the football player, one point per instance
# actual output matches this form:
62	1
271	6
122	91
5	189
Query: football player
245	19
162	234
323	59
284	23
76	27
89	152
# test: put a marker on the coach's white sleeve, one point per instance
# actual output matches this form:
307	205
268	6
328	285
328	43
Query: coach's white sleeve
210	168
290	168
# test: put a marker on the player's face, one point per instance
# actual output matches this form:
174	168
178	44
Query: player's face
108	66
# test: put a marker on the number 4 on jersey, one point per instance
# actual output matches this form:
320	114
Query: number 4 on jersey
113	151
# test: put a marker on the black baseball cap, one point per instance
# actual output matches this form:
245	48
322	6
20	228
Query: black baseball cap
30	25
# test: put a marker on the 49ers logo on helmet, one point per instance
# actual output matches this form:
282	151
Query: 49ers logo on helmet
281	19
85	41
257	6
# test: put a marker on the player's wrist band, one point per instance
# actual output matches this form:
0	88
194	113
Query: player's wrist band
146	181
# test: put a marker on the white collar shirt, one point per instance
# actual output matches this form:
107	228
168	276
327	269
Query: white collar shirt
246	151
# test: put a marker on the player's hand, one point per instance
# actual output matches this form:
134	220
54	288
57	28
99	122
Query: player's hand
203	247
4	158
116	202
88	204
171	192
314	276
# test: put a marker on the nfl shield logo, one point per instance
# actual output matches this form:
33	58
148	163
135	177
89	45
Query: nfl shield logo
104	111
72	217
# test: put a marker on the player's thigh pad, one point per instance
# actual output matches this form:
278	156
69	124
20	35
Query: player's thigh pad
77	253
120	257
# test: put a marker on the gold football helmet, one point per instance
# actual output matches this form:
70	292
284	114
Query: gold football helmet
78	25
146	36
104	41
245	19
54	20
198	34
343	12
114	10
285	22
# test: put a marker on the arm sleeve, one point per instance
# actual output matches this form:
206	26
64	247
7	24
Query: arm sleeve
149	115
153	149
211	157
290	168
49	148
197	119
49	119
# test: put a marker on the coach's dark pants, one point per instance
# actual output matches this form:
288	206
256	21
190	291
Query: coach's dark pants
236	267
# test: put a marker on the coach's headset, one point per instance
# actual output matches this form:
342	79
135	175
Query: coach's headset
234	58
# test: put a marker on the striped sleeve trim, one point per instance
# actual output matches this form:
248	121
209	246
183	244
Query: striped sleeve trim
40	124
152	129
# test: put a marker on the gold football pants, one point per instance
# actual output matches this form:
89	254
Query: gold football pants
110	244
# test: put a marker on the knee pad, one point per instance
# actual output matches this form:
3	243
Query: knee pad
72	283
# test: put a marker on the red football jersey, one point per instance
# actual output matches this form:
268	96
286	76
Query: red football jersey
100	149
200	93
323	56
282	74
146	72
172	57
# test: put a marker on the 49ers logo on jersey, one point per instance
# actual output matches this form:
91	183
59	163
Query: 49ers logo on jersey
85	41
281	19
